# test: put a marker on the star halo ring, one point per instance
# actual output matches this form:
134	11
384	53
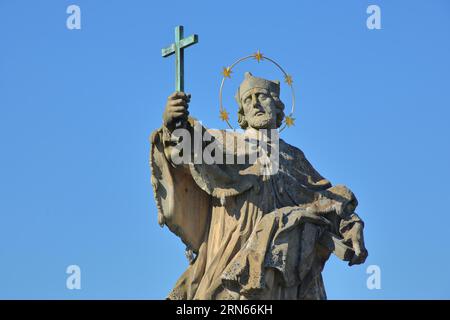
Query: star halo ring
226	72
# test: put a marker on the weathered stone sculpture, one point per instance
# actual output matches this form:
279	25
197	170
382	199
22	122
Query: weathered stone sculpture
251	235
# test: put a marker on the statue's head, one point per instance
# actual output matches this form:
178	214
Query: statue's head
259	103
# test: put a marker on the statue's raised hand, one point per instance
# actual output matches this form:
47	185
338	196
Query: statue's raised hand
176	109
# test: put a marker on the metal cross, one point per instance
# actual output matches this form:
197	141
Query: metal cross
178	48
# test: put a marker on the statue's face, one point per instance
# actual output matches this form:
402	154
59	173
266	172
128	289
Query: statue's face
260	109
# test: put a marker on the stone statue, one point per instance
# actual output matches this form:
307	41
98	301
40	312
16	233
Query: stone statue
250	235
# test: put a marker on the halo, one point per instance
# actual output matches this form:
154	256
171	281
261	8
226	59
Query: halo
258	56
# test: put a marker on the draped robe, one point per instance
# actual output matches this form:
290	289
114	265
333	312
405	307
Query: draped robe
254	236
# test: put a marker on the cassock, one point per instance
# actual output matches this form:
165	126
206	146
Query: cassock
253	235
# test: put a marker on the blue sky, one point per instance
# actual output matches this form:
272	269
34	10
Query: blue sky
77	108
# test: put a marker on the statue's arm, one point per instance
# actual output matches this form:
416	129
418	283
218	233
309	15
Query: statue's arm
338	203
349	225
182	205
178	130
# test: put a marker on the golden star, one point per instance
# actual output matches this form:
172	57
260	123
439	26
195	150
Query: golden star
258	56
288	80
290	121
227	72
224	115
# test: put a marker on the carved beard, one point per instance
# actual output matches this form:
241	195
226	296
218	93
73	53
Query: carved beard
262	121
